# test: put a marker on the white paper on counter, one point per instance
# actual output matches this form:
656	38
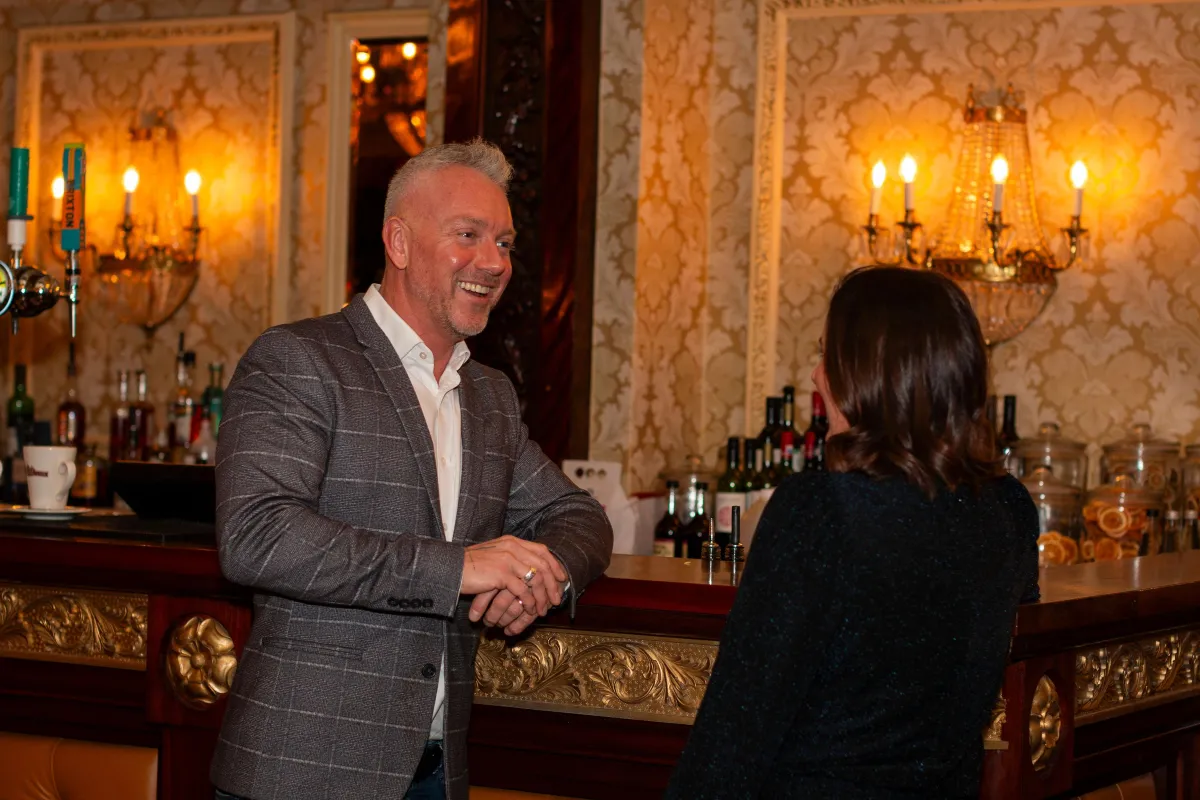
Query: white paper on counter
602	480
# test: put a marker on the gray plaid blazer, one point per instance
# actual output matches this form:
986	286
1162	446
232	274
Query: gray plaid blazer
327	505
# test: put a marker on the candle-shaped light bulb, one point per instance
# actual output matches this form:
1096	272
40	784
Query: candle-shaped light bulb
408	50
878	176
367	73
1079	176
908	172
130	182
57	188
191	182
999	176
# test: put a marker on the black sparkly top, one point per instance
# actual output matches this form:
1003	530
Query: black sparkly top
867	644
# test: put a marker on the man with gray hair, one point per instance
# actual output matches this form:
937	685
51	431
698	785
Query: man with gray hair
376	488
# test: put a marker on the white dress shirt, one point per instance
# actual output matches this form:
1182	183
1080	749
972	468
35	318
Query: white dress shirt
443	416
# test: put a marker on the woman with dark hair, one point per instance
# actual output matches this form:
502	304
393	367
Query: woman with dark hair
867	644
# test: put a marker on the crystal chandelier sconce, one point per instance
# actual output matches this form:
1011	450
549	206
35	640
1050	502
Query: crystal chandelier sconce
154	263
991	241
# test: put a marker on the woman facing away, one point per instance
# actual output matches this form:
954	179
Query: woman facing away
868	641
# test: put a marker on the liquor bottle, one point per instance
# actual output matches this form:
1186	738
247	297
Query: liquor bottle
20	433
141	422
1172	533
212	402
820	420
91	479
1191	530
668	533
204	448
72	417
730	491
695	531
160	451
1152	536
768	477
814	452
787	460
179	426
770	432
789	410
1007	441
989	411
119	441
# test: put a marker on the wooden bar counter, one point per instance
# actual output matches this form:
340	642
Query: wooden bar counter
118	630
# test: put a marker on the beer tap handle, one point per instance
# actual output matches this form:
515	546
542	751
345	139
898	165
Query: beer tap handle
73	227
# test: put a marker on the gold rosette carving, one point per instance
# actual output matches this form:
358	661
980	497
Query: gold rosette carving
1045	723
201	661
640	678
83	627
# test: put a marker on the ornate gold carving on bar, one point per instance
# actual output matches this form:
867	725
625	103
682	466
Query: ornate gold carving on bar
1045	723
993	734
1120	678
644	677
106	629
201	661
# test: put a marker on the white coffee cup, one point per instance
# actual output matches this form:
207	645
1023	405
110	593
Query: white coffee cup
50	472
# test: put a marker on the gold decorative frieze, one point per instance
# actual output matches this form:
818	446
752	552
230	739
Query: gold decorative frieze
201	661
106	629
993	734
644	677
1119	678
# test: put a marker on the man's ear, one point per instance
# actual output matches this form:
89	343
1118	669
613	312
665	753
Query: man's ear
397	242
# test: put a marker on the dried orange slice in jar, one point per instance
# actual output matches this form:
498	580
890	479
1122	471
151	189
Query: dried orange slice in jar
1088	550
1072	549
1129	548
1113	522
1108	550
1092	510
1051	552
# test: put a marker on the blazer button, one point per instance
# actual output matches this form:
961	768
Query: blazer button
429	670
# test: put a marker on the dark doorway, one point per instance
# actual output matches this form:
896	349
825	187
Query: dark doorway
387	128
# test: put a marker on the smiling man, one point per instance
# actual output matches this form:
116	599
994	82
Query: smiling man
376	488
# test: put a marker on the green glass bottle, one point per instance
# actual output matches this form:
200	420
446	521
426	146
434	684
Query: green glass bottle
20	433
213	399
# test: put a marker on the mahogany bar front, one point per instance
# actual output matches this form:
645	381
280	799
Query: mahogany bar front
122	631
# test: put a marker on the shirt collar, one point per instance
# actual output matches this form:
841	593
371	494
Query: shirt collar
403	338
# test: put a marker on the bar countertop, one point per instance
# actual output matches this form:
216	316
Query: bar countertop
159	554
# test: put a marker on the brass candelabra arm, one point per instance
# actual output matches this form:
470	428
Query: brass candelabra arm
912	254
1075	233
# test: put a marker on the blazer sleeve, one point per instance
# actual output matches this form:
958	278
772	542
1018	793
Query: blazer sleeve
782	615
544	505
275	441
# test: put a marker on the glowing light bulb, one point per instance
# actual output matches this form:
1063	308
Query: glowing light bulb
1079	176
57	188
130	182
362	55
908	171
408	50
1000	169
191	182
999	175
878	174
367	73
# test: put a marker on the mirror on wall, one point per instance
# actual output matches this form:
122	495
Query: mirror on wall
388	122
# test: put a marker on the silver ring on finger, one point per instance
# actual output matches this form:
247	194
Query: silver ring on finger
528	577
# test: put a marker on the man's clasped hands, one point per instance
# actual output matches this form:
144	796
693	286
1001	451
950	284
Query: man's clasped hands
514	582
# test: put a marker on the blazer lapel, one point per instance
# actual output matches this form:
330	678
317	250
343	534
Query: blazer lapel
472	454
395	380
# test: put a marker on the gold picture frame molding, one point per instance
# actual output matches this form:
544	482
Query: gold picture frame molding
277	29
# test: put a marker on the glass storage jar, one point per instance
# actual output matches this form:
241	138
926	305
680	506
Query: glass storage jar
1191	478
1115	520
1065	457
689	474
1152	463
1058	505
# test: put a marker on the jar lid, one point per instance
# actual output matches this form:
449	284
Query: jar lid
1124	490
692	470
1141	440
1049	442
1041	482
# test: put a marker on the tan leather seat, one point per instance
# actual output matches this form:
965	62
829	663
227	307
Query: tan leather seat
1140	788
42	768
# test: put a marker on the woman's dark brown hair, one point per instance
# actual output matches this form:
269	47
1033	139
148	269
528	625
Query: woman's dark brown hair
908	368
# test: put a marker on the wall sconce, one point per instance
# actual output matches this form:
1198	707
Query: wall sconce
991	241
155	259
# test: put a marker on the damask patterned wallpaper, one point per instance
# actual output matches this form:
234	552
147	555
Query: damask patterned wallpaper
1114	85
220	92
